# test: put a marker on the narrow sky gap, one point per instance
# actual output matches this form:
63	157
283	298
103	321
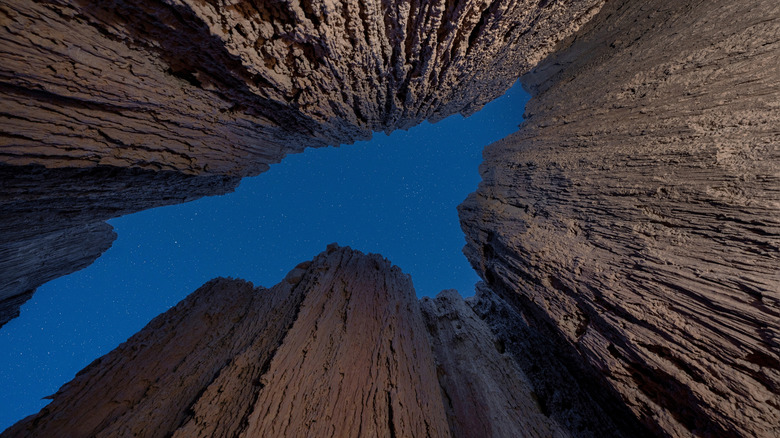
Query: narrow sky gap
394	195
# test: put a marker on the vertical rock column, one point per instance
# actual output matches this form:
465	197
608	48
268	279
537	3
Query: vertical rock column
484	390
338	348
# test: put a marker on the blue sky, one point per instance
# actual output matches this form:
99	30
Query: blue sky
394	195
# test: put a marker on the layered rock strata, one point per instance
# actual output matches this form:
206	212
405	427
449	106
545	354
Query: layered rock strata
635	218
338	348
223	89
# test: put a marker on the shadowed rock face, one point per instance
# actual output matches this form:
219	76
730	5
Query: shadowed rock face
50	219
338	348
145	90
636	214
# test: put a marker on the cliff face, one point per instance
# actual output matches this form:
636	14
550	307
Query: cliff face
636	215
338	348
148	94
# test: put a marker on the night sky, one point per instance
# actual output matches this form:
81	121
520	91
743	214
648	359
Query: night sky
394	195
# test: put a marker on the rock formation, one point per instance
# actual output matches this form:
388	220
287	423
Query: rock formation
485	392
338	348
341	347
635	217
628	235
194	95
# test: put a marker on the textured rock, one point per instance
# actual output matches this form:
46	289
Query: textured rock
574	397
338	348
25	266
485	392
227	88
50	218
636	215
223	89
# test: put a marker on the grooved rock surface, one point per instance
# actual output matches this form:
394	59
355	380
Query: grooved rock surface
338	348
636	215
485	392
24	265
223	89
227	88
573	396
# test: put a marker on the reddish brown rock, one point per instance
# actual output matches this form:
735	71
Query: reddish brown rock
338	348
636	215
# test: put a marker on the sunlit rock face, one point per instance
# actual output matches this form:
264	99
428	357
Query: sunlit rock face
145	95
635	217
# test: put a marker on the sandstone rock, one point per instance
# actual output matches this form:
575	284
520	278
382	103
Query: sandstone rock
636	215
126	89
338	348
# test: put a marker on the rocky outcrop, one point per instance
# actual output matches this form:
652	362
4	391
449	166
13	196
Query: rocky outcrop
341	347
227	88
134	90
338	348
636	215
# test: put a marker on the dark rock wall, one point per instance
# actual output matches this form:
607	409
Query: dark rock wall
126	89
637	213
338	348
575	397
51	219
27	263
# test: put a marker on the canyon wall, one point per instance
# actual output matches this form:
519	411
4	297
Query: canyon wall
122	105
628	235
635	217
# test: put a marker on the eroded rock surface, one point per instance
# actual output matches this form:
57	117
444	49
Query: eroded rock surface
485	392
227	88
223	89
338	348
27	263
636	214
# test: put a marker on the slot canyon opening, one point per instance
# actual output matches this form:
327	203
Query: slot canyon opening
394	195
